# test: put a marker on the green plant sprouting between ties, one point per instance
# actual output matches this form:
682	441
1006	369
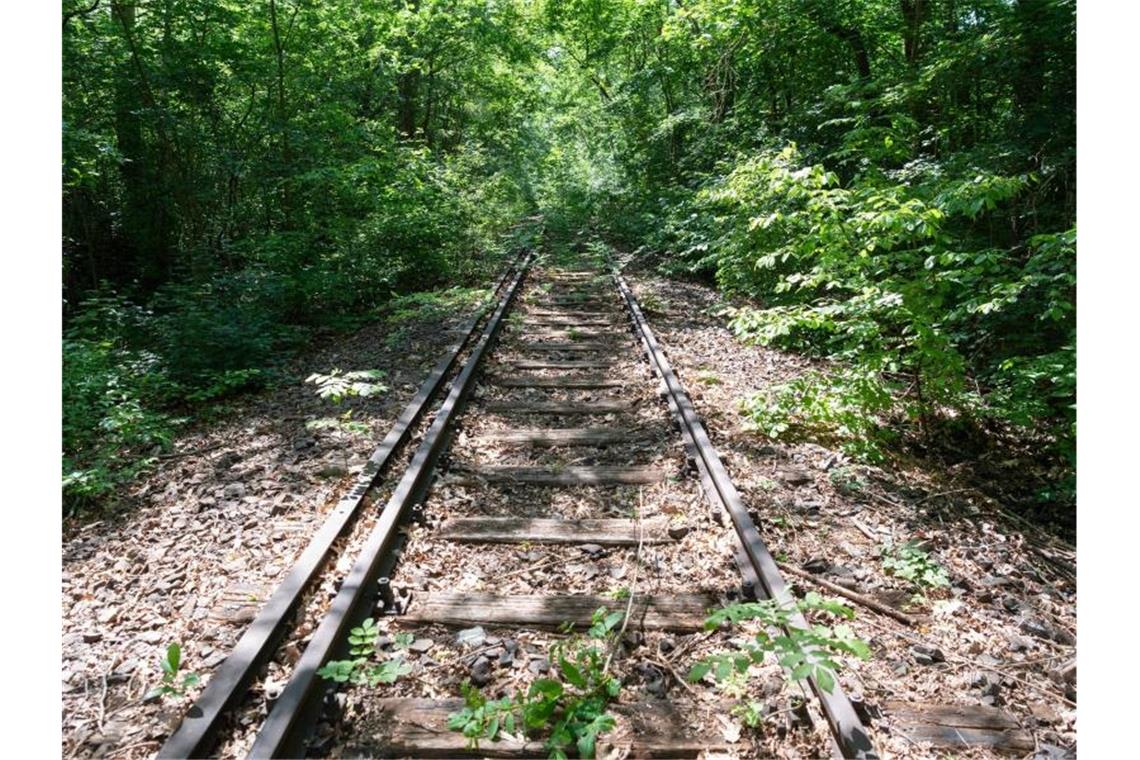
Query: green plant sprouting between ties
363	667
568	710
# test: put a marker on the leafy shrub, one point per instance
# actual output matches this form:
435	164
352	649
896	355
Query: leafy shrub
434	304
338	386
222	328
112	394
846	407
483	718
889	273
805	652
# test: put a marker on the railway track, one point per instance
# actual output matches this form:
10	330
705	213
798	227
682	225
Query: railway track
565	445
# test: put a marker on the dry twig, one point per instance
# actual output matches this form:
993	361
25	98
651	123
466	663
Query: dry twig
856	597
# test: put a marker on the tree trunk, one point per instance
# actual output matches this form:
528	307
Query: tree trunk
146	215
429	100
822	12
914	13
408	84
282	118
408	87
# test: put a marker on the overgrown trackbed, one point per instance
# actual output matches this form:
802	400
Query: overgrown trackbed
556	477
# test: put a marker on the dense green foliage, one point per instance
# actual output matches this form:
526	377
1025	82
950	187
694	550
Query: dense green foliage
889	184
235	173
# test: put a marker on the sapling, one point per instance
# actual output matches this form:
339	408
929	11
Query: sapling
802	652
361	669
170	685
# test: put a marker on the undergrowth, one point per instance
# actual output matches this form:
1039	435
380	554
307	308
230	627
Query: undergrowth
365	666
133	374
811	652
434	304
567	711
847	408
911	562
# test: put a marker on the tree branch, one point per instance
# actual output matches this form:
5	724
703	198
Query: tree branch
81	12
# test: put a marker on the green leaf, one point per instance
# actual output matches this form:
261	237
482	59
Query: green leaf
157	691
338	670
587	740
536	714
457	721
825	680
173	659
390	671
571	673
548	688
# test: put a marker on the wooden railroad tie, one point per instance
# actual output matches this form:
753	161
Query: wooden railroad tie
542	530
570	332
584	290
571	321
956	727
417	727
562	476
614	337
559	364
664	612
563	301
594	406
576	346
576	313
564	437
558	382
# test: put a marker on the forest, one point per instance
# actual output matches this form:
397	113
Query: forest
591	378
888	186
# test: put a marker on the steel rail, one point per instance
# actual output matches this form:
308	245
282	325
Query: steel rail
849	732
199	727
284	731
